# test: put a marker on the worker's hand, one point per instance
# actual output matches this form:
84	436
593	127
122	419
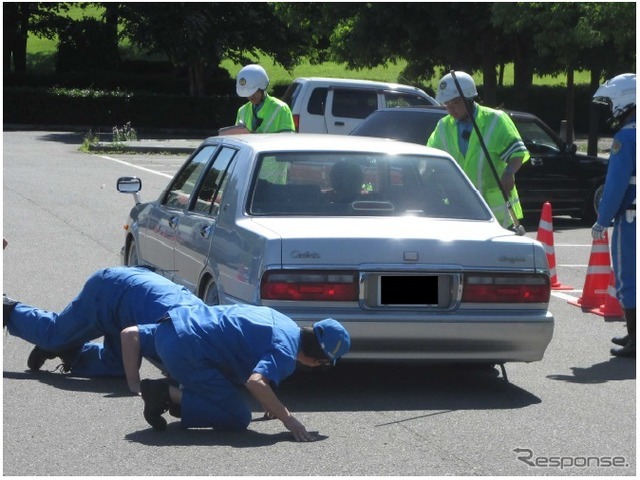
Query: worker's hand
299	432
597	231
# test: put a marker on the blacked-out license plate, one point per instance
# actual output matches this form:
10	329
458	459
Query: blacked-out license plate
409	290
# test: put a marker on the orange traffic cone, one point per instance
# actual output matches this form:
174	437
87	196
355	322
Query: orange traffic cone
545	236
598	272
610	309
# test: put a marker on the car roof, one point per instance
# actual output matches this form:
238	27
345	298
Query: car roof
357	83
283	142
442	108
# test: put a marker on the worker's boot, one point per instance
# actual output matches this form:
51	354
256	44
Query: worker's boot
157	400
628	350
38	356
8	304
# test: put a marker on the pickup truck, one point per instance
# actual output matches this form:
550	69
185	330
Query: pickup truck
338	105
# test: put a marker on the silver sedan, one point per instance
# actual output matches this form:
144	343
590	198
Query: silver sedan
389	238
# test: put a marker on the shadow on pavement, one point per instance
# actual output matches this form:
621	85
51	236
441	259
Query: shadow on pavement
371	387
178	436
69	138
611	370
110	387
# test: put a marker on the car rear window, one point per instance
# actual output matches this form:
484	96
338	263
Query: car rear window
414	127
362	184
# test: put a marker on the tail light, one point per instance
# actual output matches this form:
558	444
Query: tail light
310	286
506	289
296	122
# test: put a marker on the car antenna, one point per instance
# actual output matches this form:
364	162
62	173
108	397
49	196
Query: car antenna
519	228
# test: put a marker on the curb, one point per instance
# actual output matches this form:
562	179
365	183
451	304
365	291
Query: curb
178	147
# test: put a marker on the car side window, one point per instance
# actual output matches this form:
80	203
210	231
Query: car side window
181	189
317	101
212	187
401	99
535	138
350	103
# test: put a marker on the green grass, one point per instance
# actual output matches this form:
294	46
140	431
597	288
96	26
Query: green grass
41	51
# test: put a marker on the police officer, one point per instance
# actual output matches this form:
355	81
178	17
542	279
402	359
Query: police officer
455	135
213	351
618	203
262	113
111	300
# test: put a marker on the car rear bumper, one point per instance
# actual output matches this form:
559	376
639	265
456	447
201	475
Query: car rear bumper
494	342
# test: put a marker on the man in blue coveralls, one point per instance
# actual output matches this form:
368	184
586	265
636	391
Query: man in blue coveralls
213	351
209	350
111	300
618	202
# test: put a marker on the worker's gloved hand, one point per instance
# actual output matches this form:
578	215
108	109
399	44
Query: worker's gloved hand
597	231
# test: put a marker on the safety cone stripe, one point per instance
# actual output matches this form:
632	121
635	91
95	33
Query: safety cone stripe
598	270
545	225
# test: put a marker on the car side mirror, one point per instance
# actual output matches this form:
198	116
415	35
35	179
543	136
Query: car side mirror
130	185
571	148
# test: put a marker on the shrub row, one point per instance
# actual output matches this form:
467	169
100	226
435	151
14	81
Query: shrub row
104	109
97	110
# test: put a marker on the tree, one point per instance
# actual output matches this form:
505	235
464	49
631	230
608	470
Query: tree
22	18
565	37
200	35
427	35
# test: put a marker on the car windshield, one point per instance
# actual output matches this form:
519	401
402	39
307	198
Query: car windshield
362	184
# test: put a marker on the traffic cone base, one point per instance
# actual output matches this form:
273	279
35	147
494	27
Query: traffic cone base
545	236
610	309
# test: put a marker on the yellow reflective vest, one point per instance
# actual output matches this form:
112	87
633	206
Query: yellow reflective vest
273	117
503	142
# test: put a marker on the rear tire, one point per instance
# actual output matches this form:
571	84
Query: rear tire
210	294
132	254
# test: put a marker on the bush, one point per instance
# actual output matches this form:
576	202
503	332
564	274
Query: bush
97	109
93	108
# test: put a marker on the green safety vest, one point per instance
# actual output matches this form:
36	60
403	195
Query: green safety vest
275	115
503	142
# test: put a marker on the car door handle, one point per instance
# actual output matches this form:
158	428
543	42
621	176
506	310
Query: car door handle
536	162
173	222
339	124
205	231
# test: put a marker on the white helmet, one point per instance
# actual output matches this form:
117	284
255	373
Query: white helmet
619	93
447	89
251	79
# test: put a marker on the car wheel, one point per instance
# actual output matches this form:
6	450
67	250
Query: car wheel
132	254
590	214
210	293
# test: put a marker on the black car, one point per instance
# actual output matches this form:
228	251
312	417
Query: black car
571	182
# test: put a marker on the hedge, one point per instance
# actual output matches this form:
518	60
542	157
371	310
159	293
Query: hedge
96	109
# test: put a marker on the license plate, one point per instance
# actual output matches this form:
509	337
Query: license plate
409	290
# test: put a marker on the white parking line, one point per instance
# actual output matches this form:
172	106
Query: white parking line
565	296
135	166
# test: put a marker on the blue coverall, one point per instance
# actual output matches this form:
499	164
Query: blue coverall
212	352
111	300
618	205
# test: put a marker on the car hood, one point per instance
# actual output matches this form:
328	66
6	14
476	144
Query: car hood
402	241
